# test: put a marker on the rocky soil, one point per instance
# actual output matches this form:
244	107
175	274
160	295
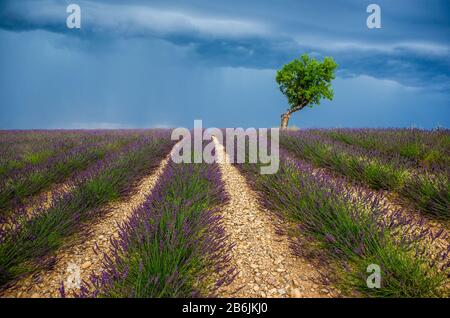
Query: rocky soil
266	265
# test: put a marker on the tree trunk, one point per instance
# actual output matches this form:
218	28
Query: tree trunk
285	120
285	117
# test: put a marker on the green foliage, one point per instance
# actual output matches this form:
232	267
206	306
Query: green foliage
402	274
376	174
428	192
18	190
347	234
431	157
24	251
426	149
168	252
37	157
9	165
306	81
411	150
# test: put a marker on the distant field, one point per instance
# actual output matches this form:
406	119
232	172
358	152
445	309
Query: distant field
136	224
412	163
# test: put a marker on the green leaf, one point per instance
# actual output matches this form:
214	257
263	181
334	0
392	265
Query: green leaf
306	81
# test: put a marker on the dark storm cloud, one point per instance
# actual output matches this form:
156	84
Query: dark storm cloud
265	35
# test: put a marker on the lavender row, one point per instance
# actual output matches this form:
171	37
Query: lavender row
422	148
427	190
30	246
96	162
21	150
174	244
33	179
347	230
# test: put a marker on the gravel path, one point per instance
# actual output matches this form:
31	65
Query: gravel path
263	258
81	258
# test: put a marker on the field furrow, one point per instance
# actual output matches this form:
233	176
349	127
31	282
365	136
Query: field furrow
428	190
393	206
44	196
262	254
30	246
173	244
114	214
16	189
86	254
344	232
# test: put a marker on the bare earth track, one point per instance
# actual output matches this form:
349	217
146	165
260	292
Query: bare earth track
266	265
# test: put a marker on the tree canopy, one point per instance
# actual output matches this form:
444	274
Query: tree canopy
306	81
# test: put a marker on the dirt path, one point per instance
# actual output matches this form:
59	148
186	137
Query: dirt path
81	258
263	258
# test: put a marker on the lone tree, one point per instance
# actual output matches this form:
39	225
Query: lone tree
305	82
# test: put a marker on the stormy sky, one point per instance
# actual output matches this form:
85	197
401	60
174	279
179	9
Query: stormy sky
165	63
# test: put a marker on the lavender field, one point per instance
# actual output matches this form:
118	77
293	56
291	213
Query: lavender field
107	213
